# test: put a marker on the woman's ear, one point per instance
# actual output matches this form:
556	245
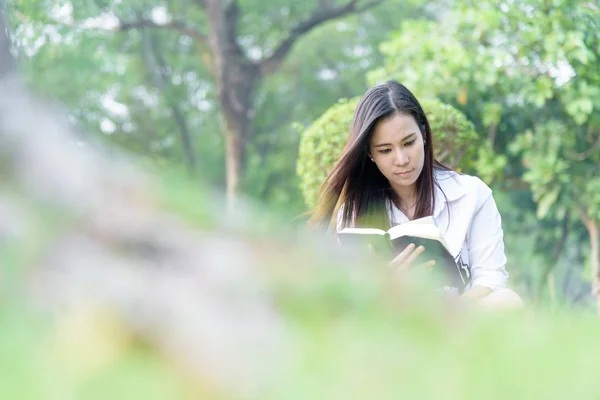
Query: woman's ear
371	157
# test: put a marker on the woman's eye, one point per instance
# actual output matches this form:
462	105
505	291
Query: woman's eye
385	151
409	143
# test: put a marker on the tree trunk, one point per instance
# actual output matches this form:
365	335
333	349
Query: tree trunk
237	77
492	133
234	148
236	105
593	230
236	80
556	253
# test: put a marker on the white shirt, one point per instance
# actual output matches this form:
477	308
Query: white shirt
472	227
469	219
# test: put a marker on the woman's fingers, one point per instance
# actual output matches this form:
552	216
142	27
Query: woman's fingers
403	256
407	257
428	266
413	256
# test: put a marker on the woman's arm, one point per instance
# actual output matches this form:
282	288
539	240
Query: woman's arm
476	293
485	241
488	261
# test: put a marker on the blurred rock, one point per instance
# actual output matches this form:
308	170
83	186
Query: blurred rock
198	297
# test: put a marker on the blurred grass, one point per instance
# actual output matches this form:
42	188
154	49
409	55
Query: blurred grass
546	357
350	354
35	366
350	336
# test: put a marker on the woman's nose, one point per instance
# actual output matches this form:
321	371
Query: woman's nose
400	158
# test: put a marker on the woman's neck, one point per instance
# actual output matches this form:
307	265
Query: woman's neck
406	196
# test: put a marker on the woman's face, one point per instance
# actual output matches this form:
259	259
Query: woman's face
398	150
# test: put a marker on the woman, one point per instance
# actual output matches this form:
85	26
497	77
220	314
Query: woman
387	175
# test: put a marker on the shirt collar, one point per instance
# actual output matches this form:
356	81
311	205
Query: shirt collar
446	190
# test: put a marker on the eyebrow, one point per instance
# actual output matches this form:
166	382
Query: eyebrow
389	144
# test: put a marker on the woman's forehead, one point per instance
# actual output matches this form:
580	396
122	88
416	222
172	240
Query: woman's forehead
396	127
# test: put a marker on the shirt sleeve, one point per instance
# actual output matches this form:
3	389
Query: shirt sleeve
486	246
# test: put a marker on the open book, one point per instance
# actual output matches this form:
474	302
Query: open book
422	231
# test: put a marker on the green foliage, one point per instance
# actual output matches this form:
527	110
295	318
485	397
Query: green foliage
329	63
78	65
560	179
320	147
461	58
455	140
489	164
527	75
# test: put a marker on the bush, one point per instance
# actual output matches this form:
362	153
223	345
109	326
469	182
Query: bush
455	142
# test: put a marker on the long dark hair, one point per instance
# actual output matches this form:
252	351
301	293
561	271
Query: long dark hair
355	183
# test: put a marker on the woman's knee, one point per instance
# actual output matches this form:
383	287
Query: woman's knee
506	299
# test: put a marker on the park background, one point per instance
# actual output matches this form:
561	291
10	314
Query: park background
251	100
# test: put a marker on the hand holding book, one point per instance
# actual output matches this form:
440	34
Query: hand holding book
404	243
408	256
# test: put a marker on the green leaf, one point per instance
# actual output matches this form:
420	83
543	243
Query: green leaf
546	201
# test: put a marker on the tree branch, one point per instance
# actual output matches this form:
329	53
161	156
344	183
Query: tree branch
556	254
320	16
231	18
515	183
173	25
223	20
102	5
587	153
558	248
157	68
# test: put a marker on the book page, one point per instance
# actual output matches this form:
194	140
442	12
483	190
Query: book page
419	230
422	227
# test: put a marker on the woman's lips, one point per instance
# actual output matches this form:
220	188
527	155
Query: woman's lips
404	173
